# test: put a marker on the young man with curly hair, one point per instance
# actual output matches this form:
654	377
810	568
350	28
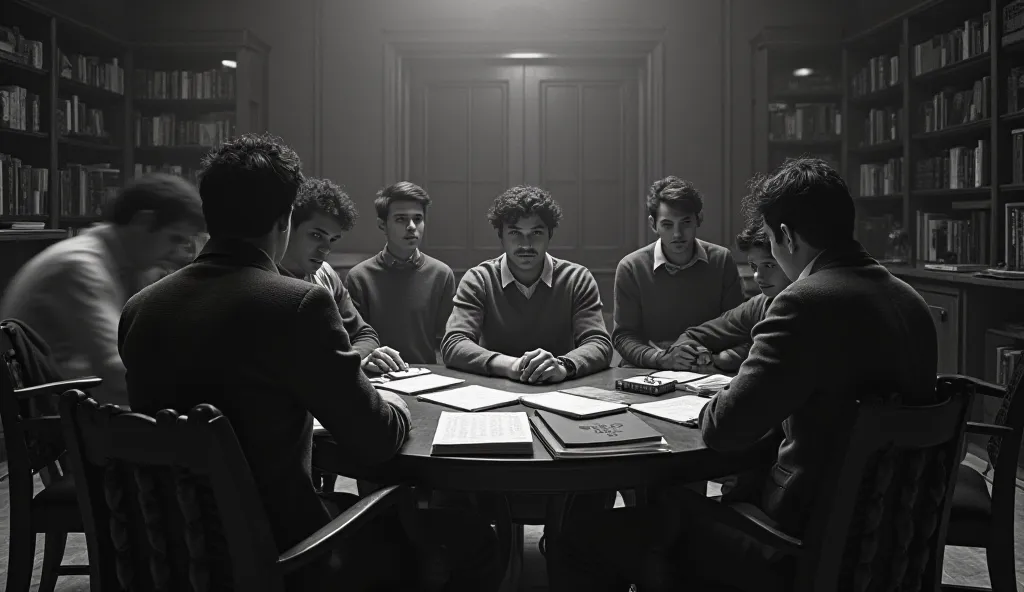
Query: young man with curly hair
526	315
404	293
323	213
674	283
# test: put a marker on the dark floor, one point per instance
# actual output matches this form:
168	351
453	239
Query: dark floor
962	566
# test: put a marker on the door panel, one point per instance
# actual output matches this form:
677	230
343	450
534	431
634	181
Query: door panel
465	148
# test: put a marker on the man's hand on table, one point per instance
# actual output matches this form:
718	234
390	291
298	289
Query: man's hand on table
535	367
383	360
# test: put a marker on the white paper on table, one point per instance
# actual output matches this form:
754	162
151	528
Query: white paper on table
682	410
471	398
559	402
482	428
714	381
419	384
680	376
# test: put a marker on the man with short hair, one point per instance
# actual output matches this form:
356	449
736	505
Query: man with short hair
323	212
404	293
526	315
72	292
271	352
792	394
678	281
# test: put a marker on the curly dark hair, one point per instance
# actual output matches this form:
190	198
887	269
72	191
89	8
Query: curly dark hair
808	196
675	193
247	184
521	201
401	191
753	236
325	197
171	198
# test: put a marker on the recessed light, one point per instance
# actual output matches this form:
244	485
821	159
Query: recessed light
229	63
525	56
803	72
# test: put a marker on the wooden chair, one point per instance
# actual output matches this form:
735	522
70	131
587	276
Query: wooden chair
981	519
34	445
879	522
169	503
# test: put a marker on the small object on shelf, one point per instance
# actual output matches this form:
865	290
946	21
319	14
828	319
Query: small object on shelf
956	267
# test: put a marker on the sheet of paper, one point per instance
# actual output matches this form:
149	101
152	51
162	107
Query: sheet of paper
482	428
559	402
678	375
684	409
471	398
410	373
607	395
714	381
420	384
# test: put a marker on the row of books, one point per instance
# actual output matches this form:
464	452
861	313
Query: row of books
959	167
954	46
1017	155
1007	358
1014	96
167	130
880	73
74	117
882	125
15	47
84	190
19	109
1013	230
94	71
951	107
181	84
23	189
881	178
804	121
957	237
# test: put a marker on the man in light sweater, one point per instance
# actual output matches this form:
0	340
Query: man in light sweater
404	293
526	315
677	282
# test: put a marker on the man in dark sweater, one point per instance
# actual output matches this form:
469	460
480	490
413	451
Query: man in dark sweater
793	392
728	338
323	213
677	282
404	293
526	315
271	353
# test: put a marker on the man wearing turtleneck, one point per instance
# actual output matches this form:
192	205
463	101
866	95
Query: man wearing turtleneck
405	294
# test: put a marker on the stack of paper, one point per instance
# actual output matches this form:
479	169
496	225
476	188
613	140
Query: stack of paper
707	386
463	434
571	405
614	435
471	398
684	410
419	384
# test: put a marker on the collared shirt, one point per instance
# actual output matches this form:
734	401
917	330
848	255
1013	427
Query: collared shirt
414	260
545	276
699	254
807	270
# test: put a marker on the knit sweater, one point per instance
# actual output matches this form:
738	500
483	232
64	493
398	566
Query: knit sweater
564	319
407	306
656	307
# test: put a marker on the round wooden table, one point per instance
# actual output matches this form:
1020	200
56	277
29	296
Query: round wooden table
690	460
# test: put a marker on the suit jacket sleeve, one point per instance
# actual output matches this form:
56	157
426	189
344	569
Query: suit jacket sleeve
329	381
627	331
364	338
772	382
460	348
730	330
593	351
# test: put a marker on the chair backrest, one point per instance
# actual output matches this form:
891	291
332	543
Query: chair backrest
880	517
168	503
1010	414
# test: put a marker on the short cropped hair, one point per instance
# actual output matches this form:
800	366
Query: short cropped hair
753	237
323	196
521	201
247	184
808	196
401	191
675	193
171	198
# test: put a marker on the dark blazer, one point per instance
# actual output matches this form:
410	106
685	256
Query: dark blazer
847	330
266	350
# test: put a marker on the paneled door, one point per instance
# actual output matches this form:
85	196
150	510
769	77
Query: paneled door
477	128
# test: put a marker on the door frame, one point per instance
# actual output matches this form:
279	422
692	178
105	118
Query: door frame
643	44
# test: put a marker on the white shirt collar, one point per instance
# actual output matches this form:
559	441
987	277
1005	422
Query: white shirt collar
545	275
807	270
701	254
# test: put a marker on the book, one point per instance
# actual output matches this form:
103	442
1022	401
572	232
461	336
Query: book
496	433
571	406
558	451
680	376
683	410
410	373
471	398
420	384
646	385
621	428
592	392
707	386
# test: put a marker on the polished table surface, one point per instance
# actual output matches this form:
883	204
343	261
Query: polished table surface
689	460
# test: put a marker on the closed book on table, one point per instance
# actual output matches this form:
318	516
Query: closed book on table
646	385
558	451
488	433
621	428
572	406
